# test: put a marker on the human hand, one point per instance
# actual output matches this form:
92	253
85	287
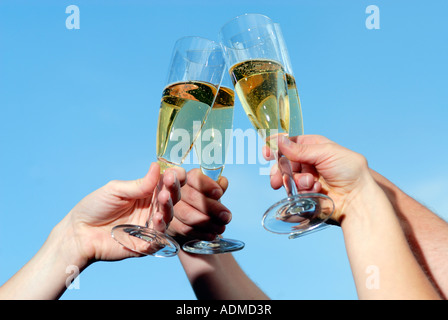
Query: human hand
200	214
321	165
121	202
364	212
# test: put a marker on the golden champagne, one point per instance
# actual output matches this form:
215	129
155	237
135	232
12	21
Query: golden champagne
211	149
183	105
262	89
295	110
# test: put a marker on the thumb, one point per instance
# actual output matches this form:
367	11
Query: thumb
140	188
312	154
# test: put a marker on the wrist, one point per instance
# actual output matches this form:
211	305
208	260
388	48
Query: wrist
64	239
366	204
55	263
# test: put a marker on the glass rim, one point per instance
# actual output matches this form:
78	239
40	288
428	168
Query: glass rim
269	22
245	15
216	47
184	38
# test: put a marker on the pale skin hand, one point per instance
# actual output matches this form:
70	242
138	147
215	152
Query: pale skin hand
372	232
426	233
84	235
123	202
322	169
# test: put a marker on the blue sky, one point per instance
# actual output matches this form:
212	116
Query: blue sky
79	108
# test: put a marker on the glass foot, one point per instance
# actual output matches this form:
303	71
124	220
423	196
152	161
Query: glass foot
145	241
317	228
213	247
299	215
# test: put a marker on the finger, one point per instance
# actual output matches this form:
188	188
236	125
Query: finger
223	183
307	139
172	185
158	222
179	229
302	140
295	144
205	208
317	187
310	154
295	166
310	139
180	173
165	206
304	181
187	218
276	177
306	168
203	184
268	154
137	189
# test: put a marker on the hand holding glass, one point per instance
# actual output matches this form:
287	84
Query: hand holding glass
216	132
257	69
195	73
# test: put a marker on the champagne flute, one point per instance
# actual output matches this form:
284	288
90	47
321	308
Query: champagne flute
195	74
211	157
295	108
295	112
256	66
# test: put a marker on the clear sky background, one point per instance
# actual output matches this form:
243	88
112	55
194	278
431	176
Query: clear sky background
79	108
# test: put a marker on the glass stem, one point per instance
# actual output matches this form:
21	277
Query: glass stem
154	206
284	166
215	174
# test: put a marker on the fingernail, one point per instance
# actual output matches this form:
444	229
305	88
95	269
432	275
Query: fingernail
224	216
216	193
305	182
172	174
285	140
274	170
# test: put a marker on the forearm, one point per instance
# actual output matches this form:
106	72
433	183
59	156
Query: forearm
219	277
426	233
46	275
382	262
